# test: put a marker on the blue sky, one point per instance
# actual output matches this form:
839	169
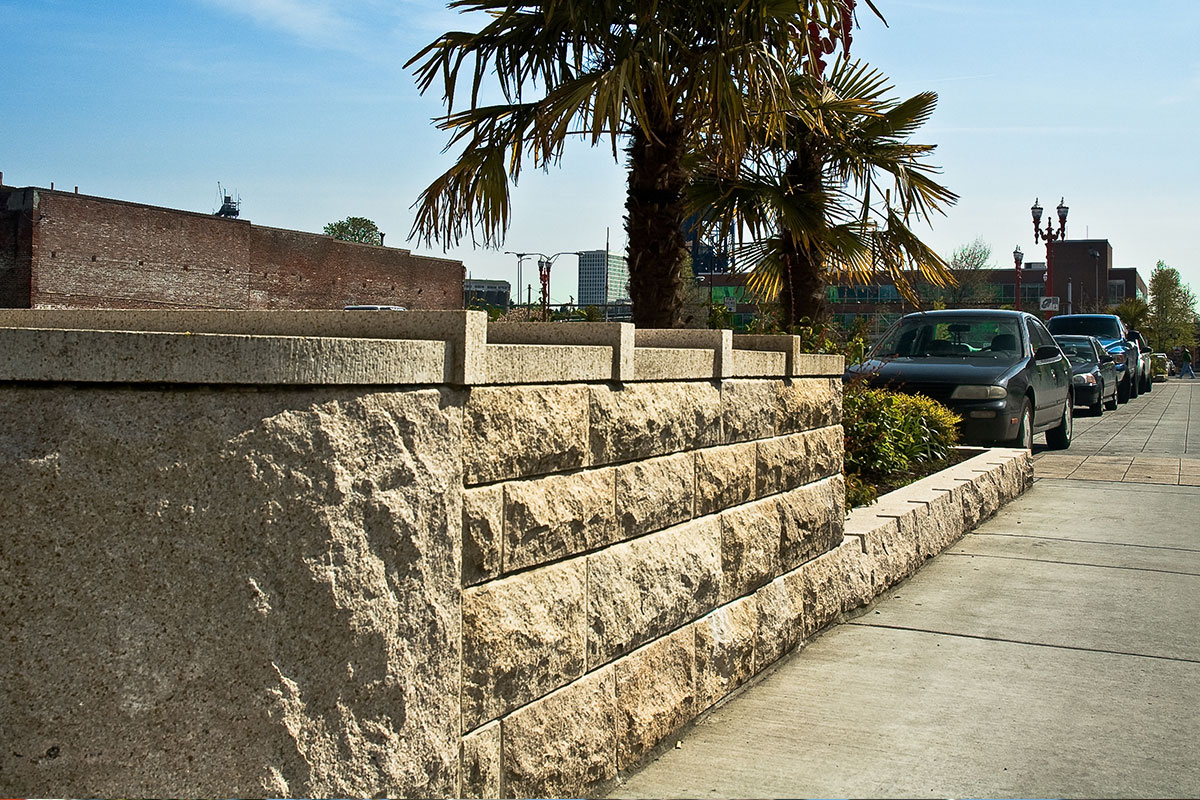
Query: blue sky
304	109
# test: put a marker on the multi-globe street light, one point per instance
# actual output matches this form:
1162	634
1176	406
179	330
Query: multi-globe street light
1050	235
1018	257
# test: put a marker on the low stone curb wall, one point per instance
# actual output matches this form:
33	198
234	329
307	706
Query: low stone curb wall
884	543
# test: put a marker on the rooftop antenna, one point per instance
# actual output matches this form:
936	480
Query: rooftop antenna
231	204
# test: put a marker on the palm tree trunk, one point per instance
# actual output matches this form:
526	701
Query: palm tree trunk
804	294
654	222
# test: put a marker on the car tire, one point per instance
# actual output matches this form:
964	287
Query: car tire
1024	437
1059	438
1149	387
1097	408
1123	390
1111	405
1133	387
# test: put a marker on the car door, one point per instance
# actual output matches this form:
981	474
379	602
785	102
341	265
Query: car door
1051	377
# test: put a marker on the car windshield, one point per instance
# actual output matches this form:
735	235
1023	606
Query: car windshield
1078	352
1108	327
962	337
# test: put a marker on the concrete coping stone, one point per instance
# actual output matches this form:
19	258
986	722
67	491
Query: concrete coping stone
903	501
351	347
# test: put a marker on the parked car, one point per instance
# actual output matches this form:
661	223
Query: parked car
1109	329
1145	362
1001	371
1093	372
1162	367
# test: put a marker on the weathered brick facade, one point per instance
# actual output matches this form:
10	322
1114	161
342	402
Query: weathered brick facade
66	250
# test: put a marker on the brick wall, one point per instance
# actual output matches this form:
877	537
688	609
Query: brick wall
95	252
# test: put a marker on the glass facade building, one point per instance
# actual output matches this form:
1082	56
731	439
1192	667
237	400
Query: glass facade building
603	278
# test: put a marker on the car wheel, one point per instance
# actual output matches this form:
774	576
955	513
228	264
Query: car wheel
1059	438
1097	408
1123	390
1111	404
1024	437
1149	387
1133	386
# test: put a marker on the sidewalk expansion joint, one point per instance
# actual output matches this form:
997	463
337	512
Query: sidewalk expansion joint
1075	564
1003	640
1089	541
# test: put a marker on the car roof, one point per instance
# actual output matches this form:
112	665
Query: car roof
982	313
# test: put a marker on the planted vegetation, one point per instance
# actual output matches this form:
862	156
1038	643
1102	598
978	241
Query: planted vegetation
893	439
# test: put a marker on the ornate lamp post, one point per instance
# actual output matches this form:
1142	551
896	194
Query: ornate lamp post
1050	235
1018	257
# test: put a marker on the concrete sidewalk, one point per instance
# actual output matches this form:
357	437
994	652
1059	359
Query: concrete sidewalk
1054	651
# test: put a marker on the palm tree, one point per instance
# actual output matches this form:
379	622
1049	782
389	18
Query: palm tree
668	76
836	195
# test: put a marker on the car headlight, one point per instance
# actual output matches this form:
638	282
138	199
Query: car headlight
1084	380
976	392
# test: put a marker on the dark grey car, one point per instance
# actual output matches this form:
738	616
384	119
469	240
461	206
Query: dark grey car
1093	372
1001	371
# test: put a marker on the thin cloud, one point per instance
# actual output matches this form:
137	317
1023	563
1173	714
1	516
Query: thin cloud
313	22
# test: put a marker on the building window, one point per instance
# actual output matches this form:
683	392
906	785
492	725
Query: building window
1116	292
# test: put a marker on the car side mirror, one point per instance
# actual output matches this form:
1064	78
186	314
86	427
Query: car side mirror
1107	359
1046	351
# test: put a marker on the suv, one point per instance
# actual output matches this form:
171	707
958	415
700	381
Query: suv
1120	343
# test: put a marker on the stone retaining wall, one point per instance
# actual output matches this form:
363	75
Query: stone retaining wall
341	554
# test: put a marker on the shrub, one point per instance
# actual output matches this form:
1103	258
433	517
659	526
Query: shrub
888	435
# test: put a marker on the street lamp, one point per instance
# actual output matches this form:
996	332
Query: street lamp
1050	235
1018	257
544	265
520	260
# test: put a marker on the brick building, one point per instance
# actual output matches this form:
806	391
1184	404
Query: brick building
67	250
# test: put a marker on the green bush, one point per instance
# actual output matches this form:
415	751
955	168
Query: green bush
888	435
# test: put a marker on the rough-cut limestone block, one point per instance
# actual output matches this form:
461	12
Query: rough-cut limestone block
857	582
782	464
656	694
649	419
892	556
980	498
724	477
810	521
748	409
267	605
519	431
639	591
822	591
824	451
806	403
725	650
523	636
483	532
781	622
481	763
557	516
945	523
655	493
565	742
749	547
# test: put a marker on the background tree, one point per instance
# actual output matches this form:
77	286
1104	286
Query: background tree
971	287
834	194
1171	321
355	229
668	76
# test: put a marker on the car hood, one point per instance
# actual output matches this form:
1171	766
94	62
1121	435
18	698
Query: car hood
1084	368
936	370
